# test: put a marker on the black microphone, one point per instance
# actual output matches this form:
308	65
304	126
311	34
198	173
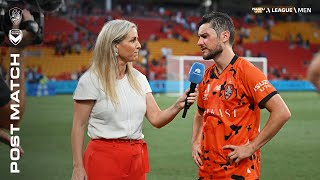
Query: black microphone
195	77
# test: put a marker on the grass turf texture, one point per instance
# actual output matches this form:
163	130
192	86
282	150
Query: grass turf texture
45	135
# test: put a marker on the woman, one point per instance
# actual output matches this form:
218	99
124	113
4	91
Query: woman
113	98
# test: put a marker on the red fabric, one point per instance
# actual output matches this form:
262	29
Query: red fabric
116	159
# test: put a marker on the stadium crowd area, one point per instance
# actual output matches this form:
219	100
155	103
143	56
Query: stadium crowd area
288	41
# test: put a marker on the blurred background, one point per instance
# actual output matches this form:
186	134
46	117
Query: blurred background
287	40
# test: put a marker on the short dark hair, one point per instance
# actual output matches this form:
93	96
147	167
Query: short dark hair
219	22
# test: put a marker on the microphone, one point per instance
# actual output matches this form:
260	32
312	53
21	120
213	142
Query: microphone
195	77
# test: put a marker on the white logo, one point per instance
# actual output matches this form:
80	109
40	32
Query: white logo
197	71
258	10
228	113
229	91
15	36
206	92
15	15
264	84
281	9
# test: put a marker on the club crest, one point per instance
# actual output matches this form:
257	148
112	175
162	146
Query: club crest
229	88
15	15
15	36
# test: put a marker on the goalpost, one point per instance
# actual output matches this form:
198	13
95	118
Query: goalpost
178	68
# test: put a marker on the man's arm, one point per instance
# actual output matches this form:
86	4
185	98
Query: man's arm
4	100
279	115
314	71
196	136
5	110
5	138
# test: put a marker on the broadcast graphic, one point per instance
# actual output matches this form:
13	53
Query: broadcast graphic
284	9
15	35
159	89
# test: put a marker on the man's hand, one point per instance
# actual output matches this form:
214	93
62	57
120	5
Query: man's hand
196	153
26	15
5	138
239	152
27	37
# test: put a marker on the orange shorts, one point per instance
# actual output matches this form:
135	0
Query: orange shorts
116	159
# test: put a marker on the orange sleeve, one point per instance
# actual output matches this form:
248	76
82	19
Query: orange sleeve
257	85
200	96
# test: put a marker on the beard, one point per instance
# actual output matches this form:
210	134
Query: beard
213	53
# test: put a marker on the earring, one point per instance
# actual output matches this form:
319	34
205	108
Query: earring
117	52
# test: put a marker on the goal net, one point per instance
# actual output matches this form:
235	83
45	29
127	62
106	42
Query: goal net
178	70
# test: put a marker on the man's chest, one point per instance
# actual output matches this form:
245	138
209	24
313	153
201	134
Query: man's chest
223	92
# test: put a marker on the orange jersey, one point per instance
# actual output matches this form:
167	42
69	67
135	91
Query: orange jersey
231	103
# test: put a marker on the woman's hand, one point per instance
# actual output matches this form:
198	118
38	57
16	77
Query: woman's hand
191	99
79	173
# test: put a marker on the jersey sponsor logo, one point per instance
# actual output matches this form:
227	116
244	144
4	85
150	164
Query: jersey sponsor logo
229	88
221	112
261	86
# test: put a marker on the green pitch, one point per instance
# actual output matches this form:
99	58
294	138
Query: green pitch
45	135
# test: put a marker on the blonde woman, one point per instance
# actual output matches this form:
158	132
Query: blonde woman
113	98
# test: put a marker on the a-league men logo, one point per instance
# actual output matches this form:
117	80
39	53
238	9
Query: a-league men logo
15	15
15	36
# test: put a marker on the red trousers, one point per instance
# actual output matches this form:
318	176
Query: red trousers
116	159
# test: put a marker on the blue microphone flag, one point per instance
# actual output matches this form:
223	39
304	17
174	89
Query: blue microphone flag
195	77
196	73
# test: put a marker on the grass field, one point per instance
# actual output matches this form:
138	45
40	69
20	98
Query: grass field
45	135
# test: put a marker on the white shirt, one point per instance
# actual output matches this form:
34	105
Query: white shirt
106	121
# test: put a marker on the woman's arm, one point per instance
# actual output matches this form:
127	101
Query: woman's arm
159	118
81	113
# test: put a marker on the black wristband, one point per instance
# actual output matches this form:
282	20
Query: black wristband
30	26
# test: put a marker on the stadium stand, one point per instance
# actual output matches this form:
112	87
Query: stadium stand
69	39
